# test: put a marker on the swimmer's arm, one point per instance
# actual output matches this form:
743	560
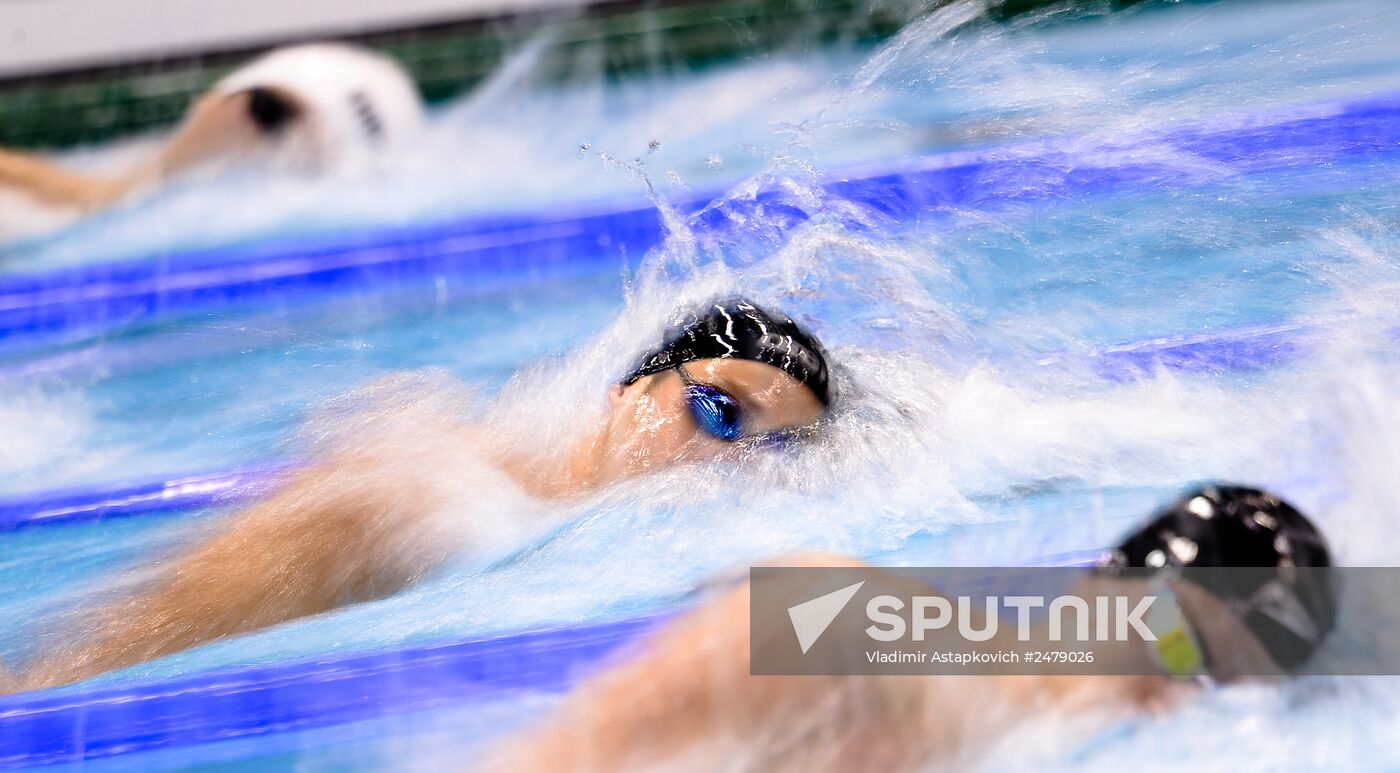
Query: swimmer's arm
51	184
690	692
215	126
329	537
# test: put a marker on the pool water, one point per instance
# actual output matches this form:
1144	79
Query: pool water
954	445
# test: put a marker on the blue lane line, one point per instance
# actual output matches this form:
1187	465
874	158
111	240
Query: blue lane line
1248	348
46	728
88	503
95	299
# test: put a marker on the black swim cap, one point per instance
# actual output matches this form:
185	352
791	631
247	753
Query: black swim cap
1263	541
739	329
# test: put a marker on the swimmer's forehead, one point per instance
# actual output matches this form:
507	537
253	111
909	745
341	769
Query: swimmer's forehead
775	397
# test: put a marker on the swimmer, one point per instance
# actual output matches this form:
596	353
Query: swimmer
312	108
360	526
687	698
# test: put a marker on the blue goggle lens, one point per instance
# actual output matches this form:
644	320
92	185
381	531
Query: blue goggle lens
716	412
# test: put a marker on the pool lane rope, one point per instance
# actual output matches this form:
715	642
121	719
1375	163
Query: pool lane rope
52	727
503	250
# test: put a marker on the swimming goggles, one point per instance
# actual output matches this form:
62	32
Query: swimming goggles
1177	651
716	411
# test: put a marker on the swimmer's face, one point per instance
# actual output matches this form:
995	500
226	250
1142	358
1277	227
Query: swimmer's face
650	424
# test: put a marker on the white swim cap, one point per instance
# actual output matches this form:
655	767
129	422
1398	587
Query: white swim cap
354	103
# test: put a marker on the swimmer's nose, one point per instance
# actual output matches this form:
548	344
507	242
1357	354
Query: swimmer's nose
270	111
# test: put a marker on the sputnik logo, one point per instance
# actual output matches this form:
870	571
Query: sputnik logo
810	619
